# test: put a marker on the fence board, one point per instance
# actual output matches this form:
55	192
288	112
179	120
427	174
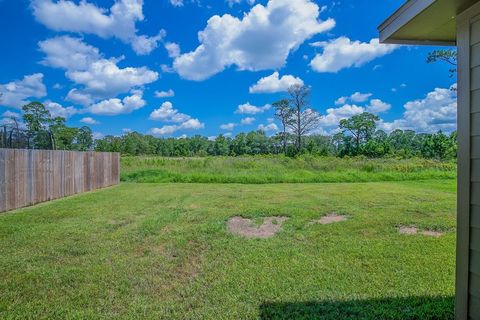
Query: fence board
10	178
3	182
32	176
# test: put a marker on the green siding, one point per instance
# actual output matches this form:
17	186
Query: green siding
475	193
475	123
475	101
475	33
474	259
474	307
475	78
475	219
475	170
476	147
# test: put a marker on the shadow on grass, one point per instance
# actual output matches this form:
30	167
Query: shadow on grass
424	308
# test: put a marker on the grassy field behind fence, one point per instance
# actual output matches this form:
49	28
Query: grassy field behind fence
279	169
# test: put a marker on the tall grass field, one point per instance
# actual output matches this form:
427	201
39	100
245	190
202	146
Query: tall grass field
279	169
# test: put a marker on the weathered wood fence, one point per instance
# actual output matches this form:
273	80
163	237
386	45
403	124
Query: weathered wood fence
28	177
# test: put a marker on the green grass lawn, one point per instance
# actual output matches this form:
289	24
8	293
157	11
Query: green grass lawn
162	251
279	169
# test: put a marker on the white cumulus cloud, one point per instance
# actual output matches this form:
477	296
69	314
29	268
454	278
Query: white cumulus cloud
247	121
57	110
342	53
173	49
119	21
191	124
177	3
10	114
89	120
99	78
262	39
274	83
329	122
378	106
437	111
232	2
228	126
68	53
15	94
248	108
116	106
79	97
356	97
165	94
167	113
105	78
268	127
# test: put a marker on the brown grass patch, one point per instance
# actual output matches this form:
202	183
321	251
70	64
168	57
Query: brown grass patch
415	230
329	219
245	227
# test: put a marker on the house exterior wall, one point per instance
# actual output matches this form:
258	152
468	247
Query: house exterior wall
468	242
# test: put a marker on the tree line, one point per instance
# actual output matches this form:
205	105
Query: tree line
399	143
357	136
41	130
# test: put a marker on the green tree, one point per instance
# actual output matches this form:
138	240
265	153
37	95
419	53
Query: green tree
439	146
361	127
257	142
377	146
220	147
198	145
36	116
63	136
37	120
448	56
319	145
84	139
109	144
239	145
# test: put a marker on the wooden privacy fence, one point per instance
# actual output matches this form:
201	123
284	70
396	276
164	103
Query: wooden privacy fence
28	177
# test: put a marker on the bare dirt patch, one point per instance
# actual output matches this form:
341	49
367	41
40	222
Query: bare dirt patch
432	233
331	218
415	230
245	227
408	230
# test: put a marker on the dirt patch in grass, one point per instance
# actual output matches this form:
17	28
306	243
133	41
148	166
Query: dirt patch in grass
330	218
415	230
408	230
246	228
432	233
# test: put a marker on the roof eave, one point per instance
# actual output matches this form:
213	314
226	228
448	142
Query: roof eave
390	28
418	42
400	18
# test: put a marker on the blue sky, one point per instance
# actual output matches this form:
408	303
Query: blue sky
142	65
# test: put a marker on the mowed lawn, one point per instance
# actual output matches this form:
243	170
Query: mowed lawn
162	251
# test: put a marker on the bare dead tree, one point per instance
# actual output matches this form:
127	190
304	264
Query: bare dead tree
304	119
283	113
